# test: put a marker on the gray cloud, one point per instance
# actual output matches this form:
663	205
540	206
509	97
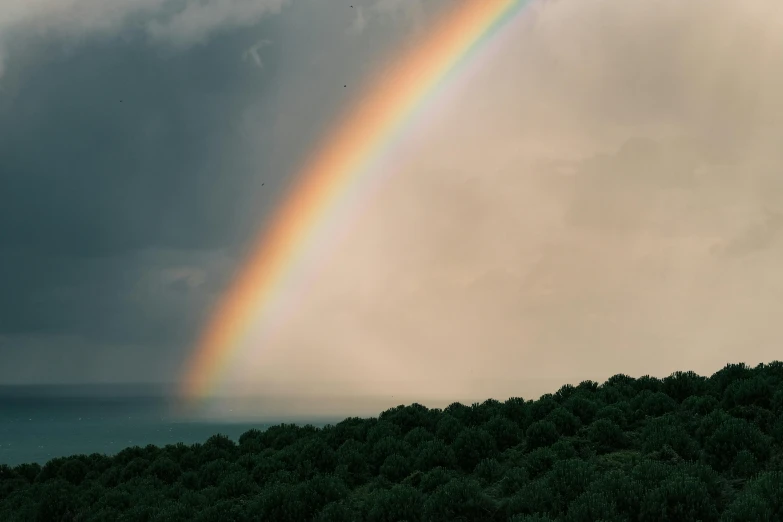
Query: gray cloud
754	238
132	167
253	52
198	21
178	23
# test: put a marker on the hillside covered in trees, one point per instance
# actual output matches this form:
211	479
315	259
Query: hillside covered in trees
682	448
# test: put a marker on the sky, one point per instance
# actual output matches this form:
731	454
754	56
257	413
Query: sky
601	194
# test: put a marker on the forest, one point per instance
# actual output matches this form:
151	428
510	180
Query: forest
682	448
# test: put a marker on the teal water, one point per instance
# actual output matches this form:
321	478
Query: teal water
36	427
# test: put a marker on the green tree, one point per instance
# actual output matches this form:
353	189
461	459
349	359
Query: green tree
460	499
591	507
448	427
732	436
165	469
539	461
514	480
395	468
667	431
488	470
680	497
681	385
505	432
568	479
747	507
541	434
566	422
418	435
74	470
472	445
606	435
400	502
583	407
518	411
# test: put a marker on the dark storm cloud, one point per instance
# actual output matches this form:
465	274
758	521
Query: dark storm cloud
111	149
134	140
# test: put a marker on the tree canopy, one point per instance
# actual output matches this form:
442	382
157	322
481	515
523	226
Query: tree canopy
685	448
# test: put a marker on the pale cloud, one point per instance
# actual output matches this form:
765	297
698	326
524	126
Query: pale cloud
176	24
411	10
556	215
252	53
198	21
409	14
359	23
755	238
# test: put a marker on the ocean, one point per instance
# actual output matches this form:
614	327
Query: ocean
38	423
41	422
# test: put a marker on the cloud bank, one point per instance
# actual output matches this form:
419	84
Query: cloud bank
179	24
601	197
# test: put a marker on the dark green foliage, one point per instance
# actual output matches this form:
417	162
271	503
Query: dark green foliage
338	512
685	448
165	469
667	431
57	502
488	471
400	502
448	427
519	411
614	413
505	432
417	436
279	502
700	404
535	497
681	385
472	445
732	436
395	467
435	478
567	480
74	471
352	463
657	403
514	480
582	405
591	506
382	430
409	417
622	490
606	435
680	497
538	517
539	461
540	434
388	446
461	498
566	422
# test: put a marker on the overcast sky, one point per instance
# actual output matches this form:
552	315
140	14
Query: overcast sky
603	194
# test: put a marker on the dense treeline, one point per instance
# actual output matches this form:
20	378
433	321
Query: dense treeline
682	448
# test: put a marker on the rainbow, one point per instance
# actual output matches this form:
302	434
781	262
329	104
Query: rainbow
330	180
